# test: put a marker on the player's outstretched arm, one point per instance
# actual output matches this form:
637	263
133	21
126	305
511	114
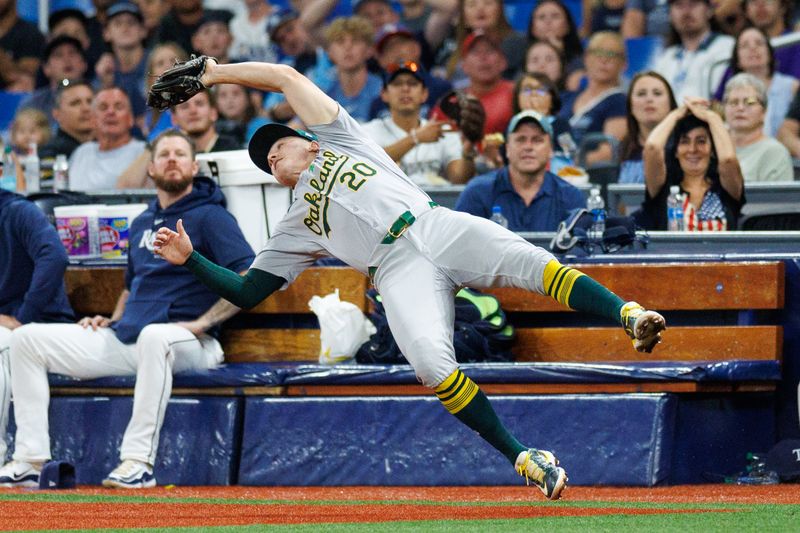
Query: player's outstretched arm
242	291
310	103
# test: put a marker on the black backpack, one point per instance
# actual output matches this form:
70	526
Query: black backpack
574	231
481	332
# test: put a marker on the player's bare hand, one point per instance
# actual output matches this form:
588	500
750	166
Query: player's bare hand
174	246
9	322
699	107
430	132
207	78
94	322
197	327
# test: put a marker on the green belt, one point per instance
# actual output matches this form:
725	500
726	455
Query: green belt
400	225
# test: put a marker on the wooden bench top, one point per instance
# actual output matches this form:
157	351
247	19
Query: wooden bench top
663	286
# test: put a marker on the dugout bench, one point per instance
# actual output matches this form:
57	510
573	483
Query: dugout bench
272	416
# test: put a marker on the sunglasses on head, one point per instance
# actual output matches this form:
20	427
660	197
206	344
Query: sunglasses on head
406	65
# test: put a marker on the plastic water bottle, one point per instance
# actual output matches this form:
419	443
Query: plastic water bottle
675	209
756	472
497	216
61	173
9	178
568	145
597	207
33	170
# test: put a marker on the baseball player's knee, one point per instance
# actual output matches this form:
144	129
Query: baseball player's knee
432	361
156	340
23	342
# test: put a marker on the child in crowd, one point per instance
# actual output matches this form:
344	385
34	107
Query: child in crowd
238	116
29	126
542	57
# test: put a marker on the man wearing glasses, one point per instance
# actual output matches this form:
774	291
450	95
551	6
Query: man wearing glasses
761	158
427	151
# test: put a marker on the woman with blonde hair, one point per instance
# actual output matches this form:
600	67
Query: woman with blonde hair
600	107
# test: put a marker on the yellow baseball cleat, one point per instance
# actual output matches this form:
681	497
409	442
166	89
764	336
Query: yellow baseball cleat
541	467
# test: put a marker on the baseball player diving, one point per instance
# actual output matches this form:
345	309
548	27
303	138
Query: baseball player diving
351	201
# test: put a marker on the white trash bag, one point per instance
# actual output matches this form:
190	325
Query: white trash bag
343	328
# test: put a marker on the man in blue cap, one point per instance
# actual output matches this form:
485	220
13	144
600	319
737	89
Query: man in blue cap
530	197
124	66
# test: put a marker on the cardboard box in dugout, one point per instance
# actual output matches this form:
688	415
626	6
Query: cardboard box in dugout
254	197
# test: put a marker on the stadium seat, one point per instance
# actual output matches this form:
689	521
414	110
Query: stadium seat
602	174
641	52
29	9
770	217
518	13
591	141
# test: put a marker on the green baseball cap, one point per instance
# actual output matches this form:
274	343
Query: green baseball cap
529	116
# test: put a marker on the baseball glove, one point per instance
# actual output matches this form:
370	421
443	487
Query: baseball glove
178	84
467	111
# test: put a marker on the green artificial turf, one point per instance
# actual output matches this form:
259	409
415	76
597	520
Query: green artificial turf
675	517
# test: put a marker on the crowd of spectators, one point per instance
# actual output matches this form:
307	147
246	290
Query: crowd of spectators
388	64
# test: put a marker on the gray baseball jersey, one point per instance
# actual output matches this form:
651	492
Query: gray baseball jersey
343	204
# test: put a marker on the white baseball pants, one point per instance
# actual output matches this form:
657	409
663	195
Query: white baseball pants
5	389
442	251
69	349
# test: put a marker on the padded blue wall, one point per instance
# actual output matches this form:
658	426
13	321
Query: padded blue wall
198	446
600	439
714	434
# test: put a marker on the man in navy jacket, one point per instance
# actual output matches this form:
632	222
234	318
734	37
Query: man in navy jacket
32	264
163	323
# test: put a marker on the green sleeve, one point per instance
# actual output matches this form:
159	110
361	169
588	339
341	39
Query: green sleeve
242	291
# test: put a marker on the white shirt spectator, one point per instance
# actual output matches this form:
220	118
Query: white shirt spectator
251	40
425	163
765	160
694	73
92	170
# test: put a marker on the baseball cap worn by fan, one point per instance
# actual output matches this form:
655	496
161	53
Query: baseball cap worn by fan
529	116
276	21
124	7
409	67
266	136
477	35
388	31
62	14
210	16
61	40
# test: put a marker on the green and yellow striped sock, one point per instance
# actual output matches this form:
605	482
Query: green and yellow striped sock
467	402
578	291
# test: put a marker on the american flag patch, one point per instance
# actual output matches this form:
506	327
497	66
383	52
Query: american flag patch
710	216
